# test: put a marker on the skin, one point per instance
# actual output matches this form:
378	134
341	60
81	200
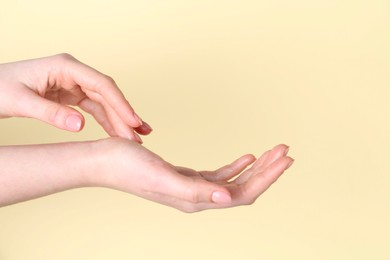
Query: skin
34	171
44	88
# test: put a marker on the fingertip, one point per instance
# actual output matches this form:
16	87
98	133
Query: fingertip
138	138
290	163
281	146
279	151
147	126
132	136
246	160
286	150
74	122
137	120
144	129
221	197
251	157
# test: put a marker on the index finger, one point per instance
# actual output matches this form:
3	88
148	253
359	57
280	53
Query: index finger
94	83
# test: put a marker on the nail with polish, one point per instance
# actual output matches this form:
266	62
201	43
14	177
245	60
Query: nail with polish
147	126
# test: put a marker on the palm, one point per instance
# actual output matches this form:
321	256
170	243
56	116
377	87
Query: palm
144	173
72	96
244	185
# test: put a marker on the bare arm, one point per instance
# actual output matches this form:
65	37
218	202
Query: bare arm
32	171
29	172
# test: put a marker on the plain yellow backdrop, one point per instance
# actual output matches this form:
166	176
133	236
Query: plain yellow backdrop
218	79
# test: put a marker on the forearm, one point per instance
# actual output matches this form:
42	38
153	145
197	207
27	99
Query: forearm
31	171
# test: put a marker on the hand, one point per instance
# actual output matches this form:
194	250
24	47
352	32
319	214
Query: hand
43	89
130	167
32	171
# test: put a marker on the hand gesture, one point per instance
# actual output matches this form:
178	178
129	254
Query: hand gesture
46	88
132	168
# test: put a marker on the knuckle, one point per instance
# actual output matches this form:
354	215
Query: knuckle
51	113
59	60
64	57
249	201
191	193
109	80
106	82
191	196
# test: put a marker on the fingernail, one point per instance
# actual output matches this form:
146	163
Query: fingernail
138	119
286	151
147	126
221	197
73	122
138	138
289	165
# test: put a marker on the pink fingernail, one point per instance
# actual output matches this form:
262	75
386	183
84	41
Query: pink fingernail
221	197
286	151
73	122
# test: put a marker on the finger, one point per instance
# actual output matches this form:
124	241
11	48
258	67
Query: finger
248	192
92	81
240	194
194	190
121	129
189	207
144	129
248	173
98	112
182	205
276	153
186	171
63	117
229	171
263	162
109	119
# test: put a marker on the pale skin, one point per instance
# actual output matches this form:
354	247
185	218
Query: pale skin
119	162
44	88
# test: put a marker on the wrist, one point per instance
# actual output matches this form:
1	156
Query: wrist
79	162
92	170
104	154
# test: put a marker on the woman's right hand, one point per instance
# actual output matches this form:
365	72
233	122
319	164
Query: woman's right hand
45	89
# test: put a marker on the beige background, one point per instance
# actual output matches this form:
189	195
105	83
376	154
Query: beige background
217	79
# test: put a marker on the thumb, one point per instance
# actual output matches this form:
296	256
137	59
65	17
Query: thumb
198	190
53	113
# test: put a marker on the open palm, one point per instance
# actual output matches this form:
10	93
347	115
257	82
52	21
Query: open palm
244	186
151	177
